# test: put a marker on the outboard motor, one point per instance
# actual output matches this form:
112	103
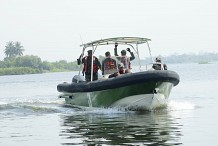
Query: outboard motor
78	79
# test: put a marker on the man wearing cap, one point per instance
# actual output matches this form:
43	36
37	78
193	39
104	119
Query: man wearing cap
123	58
158	65
87	61
108	64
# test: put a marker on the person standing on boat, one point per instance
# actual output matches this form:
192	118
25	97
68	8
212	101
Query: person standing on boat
158	65
123	58
108	64
87	61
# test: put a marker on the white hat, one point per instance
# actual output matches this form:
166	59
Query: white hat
120	65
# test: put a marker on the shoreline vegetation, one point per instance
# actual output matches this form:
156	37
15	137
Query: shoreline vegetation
203	58
30	64
16	64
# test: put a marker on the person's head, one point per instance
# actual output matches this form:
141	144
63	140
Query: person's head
123	52
107	54
158	59
89	52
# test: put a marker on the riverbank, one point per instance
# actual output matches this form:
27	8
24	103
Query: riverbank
30	64
26	70
19	71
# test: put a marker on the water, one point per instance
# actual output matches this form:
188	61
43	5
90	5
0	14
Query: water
32	114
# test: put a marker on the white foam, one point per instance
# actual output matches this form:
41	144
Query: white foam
33	101
3	103
100	111
106	111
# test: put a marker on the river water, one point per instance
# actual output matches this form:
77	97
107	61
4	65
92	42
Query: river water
32	114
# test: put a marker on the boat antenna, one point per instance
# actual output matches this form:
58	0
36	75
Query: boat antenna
81	56
81	39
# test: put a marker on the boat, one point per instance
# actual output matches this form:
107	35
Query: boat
142	89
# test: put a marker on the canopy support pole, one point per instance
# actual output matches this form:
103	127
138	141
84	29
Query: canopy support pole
150	52
93	51
137	51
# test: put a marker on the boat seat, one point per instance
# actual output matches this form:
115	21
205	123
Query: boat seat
110	71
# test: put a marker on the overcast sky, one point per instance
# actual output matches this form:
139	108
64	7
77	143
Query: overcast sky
54	29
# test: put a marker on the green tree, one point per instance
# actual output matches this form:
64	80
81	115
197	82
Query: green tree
12	50
9	49
18	49
47	66
29	61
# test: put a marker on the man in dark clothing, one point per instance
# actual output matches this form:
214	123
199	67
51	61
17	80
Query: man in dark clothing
109	64
87	61
123	58
158	65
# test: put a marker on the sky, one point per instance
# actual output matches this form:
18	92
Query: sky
55	29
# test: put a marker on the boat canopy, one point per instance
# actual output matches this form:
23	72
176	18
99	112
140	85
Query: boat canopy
119	40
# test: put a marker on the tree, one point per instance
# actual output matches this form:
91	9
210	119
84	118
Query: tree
9	49
13	50
18	49
28	61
